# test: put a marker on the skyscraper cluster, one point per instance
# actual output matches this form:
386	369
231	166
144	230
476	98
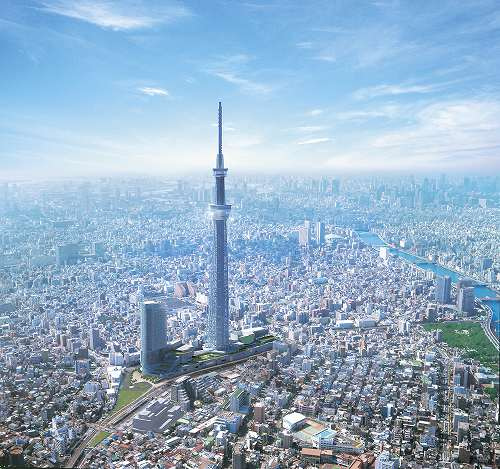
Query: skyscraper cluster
305	233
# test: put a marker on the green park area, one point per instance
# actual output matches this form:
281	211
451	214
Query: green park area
470	337
265	339
207	356
98	438
213	355
129	391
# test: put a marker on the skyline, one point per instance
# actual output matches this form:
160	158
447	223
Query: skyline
104	87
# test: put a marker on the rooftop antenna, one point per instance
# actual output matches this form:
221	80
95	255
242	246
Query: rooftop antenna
220	158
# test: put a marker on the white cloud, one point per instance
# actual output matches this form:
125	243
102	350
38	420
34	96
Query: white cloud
119	15
235	59
309	128
395	90
234	69
461	135
315	112
305	45
448	128
326	56
388	111
360	47
313	141
244	83
154	91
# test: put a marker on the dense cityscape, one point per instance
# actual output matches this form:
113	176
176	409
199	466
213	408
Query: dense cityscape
252	234
334	322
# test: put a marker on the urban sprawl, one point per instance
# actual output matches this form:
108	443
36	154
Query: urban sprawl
325	333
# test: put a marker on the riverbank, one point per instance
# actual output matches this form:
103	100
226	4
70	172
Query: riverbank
481	292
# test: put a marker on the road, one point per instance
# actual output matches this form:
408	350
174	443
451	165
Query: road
448	418
486	325
109	422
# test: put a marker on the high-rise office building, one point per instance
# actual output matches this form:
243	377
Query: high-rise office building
465	300
485	263
98	249
94	339
218	310
384	253
443	290
404	327
153	334
320	233
304	236
335	186
323	185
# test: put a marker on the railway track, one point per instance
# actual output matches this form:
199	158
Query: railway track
111	421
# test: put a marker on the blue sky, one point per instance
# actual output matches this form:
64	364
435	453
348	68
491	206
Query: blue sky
101	86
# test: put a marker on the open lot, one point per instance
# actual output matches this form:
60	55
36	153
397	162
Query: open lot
130	391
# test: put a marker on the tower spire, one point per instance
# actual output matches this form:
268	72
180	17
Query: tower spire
220	157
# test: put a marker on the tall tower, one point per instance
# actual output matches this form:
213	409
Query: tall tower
218	309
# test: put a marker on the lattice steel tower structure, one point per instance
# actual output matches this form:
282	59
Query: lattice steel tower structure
218	309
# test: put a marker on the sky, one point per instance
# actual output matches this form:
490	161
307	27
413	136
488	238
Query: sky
103	87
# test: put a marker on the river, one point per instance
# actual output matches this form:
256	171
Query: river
481	291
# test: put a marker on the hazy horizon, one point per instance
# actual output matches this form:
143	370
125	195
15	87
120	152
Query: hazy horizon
236	174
